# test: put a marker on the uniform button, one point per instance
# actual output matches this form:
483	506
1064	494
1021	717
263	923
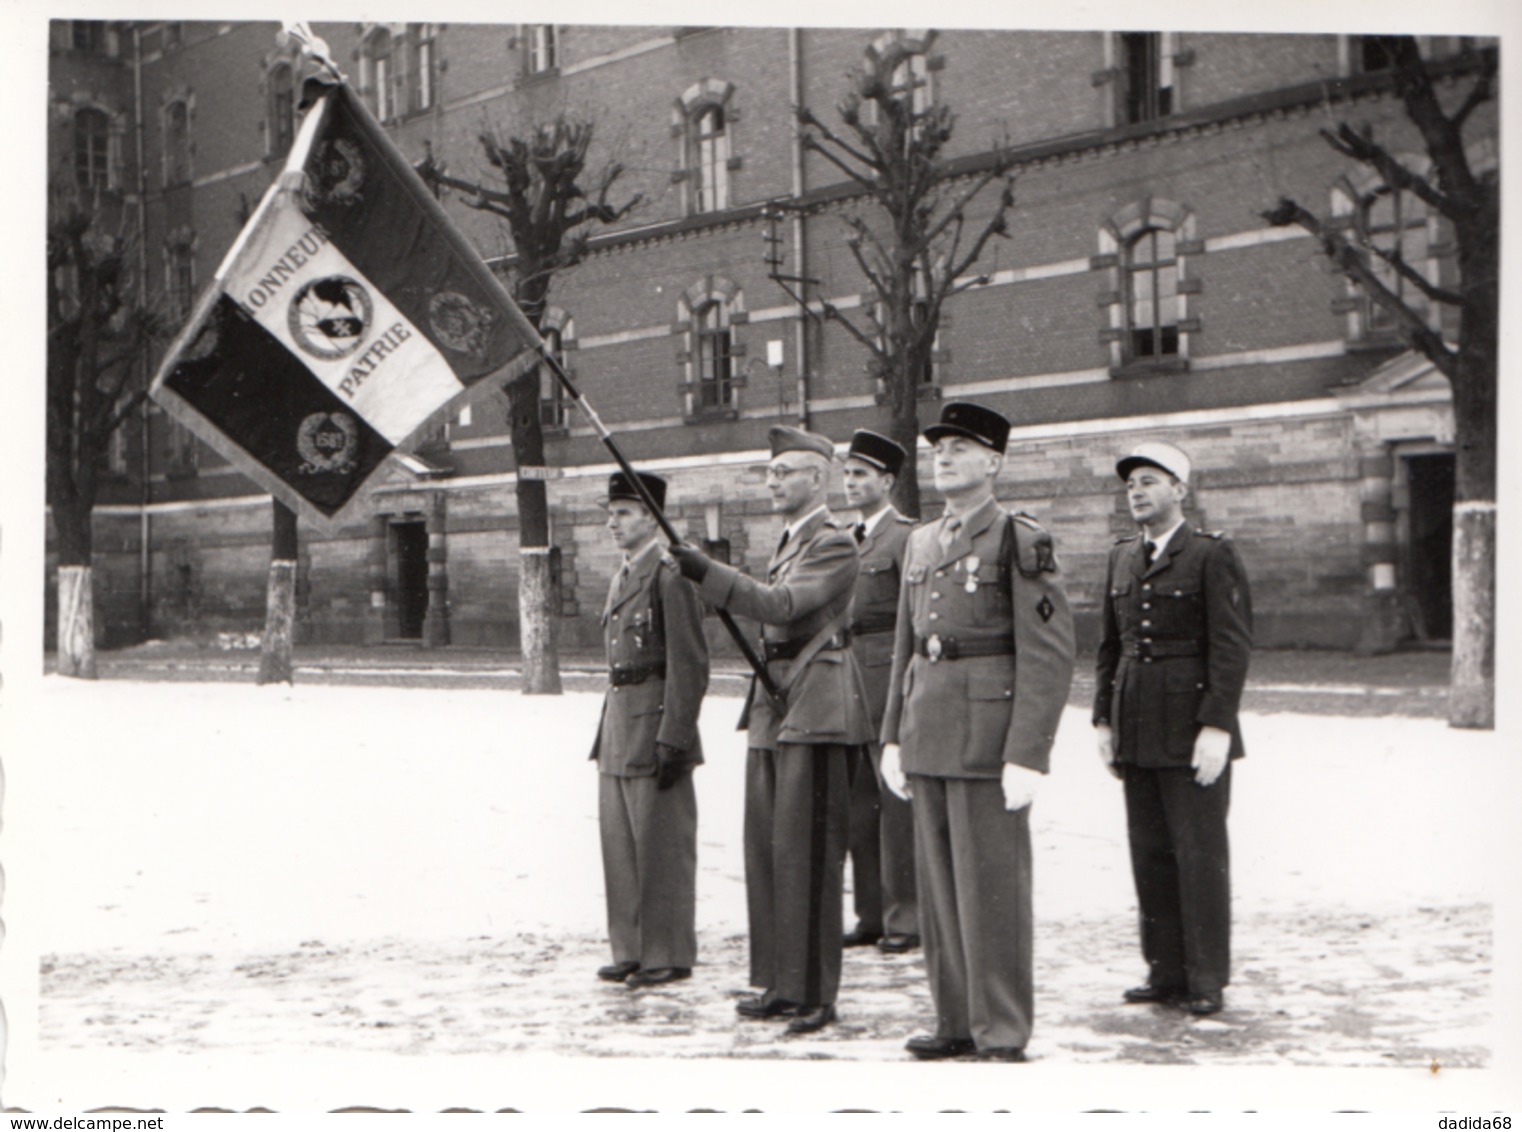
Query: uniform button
1147	587
1146	660
940	573
1146	624
935	595
1146	605
935	616
615	617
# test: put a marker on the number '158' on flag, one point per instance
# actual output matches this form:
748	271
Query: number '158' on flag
349	314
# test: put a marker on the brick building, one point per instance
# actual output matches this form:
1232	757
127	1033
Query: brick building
1322	446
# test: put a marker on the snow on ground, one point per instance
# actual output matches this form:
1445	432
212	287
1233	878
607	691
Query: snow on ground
215	869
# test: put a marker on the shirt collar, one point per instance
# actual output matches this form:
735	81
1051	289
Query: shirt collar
1162	540
792	528
877	520
631	559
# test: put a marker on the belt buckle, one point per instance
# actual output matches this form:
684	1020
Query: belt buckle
933	647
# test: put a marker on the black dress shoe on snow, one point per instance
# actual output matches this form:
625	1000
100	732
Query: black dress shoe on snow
1149	993
617	972
1002	1053
766	1005
860	937
933	1047
655	976
896	943
807	1019
1204	1004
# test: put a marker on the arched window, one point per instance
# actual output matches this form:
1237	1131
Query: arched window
715	356
1145	69
709	159
177	142
92	149
380	76
1151	296
282	108
1383	220
423	72
911	80
543	48
180	277
1147	248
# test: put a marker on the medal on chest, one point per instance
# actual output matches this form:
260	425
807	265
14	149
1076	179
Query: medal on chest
972	563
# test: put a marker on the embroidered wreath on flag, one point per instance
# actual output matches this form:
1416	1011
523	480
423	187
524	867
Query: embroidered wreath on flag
458	323
334	176
326	442
328	317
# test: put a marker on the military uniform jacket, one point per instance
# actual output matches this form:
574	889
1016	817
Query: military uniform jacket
967	717
1174	646
652	625
874	605
808	584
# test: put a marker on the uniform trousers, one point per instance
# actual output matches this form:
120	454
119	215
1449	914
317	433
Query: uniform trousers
865	844
974	859
901	907
650	868
797	811
1181	863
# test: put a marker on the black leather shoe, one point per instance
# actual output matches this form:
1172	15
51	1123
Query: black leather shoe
766	1005
933	1047
618	972
896	943
1203	1004
655	976
860	937
1001	1053
807	1019
1149	993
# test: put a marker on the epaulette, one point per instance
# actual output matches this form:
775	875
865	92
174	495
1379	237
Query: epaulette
668	561
1211	534
1027	518
1126	539
908	522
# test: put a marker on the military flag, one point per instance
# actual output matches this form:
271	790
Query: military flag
349	315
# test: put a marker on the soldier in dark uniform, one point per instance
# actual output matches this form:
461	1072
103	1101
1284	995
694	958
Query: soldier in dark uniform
1172	662
882	825
796	787
982	662
646	747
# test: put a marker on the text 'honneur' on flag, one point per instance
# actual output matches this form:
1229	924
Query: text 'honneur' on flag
349	314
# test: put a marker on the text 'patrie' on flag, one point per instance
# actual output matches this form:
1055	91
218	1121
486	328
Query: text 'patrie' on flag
348	317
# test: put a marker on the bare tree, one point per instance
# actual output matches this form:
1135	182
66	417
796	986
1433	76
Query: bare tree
550	204
916	249
1468	200
99	336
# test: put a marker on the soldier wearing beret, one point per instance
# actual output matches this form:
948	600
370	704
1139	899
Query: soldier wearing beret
982	663
796	784
1172	663
882	826
646	747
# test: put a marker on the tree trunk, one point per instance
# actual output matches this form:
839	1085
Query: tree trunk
538	598
1472	682
275	664
76	623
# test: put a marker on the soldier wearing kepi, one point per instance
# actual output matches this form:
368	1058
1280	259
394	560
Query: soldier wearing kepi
796	789
646	747
1172	662
882	825
982	663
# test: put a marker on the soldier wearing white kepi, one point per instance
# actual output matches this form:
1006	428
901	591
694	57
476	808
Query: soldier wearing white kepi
982	663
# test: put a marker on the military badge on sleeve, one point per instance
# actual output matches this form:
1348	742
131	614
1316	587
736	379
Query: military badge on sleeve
1045	608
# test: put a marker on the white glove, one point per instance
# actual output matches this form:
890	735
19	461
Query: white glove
1020	786
892	767
1106	737
1211	749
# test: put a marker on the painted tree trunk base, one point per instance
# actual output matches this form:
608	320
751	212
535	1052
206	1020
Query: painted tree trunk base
1472	682
541	659
76	623
279	621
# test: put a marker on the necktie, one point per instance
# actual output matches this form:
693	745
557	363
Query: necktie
782	542
948	533
623	575
1152	549
860	530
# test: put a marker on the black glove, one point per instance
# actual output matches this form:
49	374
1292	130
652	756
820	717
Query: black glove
693	563
669	765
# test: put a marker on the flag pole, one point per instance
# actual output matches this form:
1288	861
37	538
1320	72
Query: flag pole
757	665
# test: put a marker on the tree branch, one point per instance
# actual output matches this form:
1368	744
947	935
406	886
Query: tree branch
1409	273
1366	151
1349	260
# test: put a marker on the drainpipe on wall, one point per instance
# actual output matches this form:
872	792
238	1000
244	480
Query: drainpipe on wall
144	523
800	329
